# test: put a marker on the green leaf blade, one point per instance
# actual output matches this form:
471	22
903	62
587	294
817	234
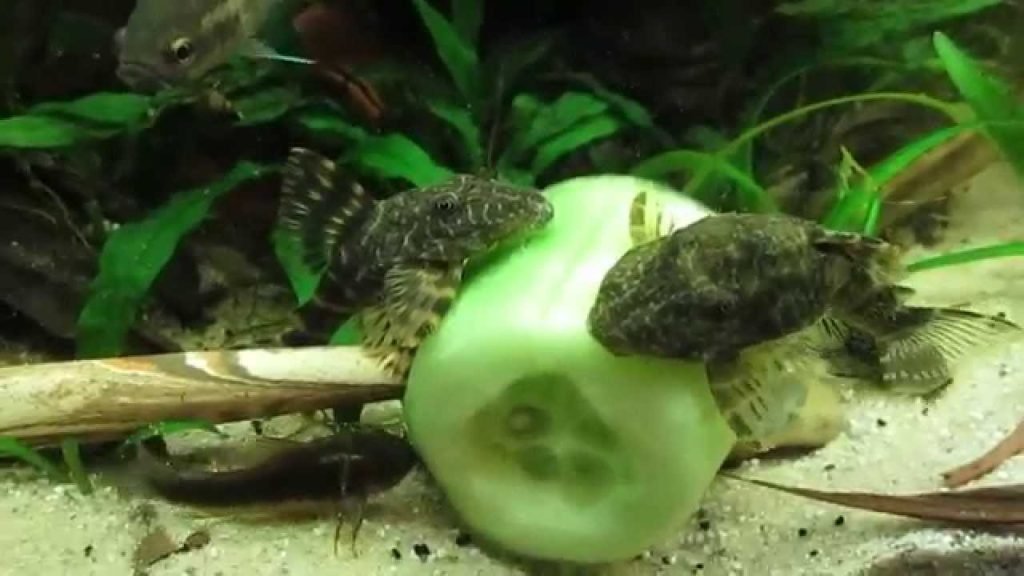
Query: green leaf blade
458	56
134	256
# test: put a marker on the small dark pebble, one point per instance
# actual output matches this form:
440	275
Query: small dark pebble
698	567
924	411
830	467
396	553
801	532
463	539
421	550
666	560
87	550
704	525
257	427
812	553
840	520
881	423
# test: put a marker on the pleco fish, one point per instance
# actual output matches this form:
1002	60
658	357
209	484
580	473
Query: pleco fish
398	261
731	288
166	43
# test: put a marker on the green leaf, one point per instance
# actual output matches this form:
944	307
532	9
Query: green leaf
458	56
467	15
133	257
76	469
63	124
348	334
462	120
753	197
550	120
573	139
304	281
266	105
14	448
989	97
328	125
169	427
1006	250
395	156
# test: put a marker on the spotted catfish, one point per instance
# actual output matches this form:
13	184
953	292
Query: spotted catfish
734	289
397	262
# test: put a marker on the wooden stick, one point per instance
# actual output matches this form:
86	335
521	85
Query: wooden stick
1007	448
105	399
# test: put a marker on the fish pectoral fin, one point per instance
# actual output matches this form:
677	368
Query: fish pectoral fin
318	205
917	360
760	392
415	300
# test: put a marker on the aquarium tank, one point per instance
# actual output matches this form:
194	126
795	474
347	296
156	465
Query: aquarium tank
446	287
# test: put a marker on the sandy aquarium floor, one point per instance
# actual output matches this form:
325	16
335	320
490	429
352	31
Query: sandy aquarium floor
888	444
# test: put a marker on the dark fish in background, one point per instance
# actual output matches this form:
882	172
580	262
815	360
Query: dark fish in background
168	43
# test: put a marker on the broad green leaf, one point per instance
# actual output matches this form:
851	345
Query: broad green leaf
266	105
630	109
395	156
989	97
329	126
573	139
133	257
62	124
458	56
169	427
14	448
511	60
462	120
76	469
752	195
113	109
1006	250
467	15
348	334
552	119
304	281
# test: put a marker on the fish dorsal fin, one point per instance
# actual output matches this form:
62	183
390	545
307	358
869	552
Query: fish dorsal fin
649	219
319	206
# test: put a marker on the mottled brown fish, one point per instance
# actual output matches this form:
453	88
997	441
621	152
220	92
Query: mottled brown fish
398	262
731	283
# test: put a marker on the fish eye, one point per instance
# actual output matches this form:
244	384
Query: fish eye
182	50
445	204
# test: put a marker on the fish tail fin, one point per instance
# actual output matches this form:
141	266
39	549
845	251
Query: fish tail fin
762	390
917	360
318	205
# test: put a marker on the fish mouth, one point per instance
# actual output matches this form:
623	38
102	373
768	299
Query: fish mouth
142	77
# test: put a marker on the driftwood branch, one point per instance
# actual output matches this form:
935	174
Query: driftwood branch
105	399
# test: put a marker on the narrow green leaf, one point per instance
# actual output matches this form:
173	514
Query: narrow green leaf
304	281
989	97
573	139
468	15
852	210
395	156
969	255
76	469
752	195
133	257
458	56
462	120
14	448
